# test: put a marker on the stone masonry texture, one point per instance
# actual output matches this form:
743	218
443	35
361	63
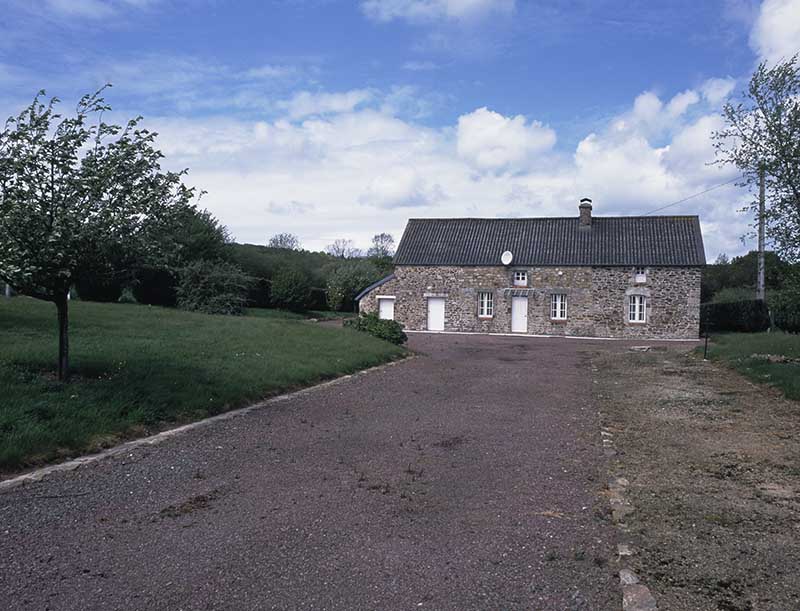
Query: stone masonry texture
597	299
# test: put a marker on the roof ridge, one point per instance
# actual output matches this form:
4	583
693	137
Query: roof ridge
552	218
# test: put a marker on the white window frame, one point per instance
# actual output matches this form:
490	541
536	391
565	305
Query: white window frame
485	304
640	274
637	309
558	306
523	280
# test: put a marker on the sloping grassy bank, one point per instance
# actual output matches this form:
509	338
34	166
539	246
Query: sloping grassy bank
138	369
771	358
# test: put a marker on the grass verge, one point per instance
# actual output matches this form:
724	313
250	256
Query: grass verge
138	369
770	358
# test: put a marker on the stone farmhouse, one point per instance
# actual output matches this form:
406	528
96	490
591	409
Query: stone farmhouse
620	277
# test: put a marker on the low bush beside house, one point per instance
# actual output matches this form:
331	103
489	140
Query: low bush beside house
388	330
750	316
213	288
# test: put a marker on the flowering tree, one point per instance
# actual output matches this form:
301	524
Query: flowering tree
75	191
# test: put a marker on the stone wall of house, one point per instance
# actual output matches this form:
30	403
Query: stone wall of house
597	299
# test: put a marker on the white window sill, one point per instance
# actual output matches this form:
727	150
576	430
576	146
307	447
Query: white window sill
485	317
637	322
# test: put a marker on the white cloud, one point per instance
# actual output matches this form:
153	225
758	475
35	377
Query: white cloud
681	102
424	66
491	141
776	32
270	71
401	187
339	165
716	90
430	10
92	9
358	172
305	103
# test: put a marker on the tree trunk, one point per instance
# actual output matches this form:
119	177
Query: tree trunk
62	305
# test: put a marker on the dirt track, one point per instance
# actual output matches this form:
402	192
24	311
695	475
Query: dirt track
714	467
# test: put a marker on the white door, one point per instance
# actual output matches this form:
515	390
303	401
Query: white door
519	314
386	309
435	313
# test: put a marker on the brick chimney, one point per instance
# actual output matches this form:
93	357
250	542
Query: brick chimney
585	209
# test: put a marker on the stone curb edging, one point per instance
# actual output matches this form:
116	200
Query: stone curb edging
70	465
635	595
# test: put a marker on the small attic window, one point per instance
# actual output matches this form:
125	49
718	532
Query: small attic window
640	275
520	278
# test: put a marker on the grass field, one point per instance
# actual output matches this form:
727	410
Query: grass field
287	315
138	368
747	353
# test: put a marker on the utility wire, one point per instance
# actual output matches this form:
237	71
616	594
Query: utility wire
680	201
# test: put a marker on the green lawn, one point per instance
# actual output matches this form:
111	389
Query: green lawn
287	315
137	368
746	352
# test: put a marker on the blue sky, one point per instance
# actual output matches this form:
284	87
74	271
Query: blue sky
341	119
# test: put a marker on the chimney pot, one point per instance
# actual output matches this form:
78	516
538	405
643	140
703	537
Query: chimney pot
585	209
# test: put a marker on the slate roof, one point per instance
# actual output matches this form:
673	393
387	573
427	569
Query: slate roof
609	241
374	285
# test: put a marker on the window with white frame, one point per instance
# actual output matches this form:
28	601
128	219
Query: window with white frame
640	274
485	304
520	278
558	306
637	308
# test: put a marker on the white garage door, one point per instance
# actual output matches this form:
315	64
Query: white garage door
435	313
386	308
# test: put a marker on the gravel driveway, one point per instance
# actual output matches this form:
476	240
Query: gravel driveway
465	478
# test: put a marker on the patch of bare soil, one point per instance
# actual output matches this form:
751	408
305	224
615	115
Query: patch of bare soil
714	468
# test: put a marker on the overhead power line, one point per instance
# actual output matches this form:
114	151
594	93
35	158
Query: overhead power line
680	201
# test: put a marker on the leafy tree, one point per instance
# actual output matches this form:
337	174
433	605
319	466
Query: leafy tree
284	240
381	252
343	249
735	276
347	280
291	288
75	191
193	235
213	287
762	130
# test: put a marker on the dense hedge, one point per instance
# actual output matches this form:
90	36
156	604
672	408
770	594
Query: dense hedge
98	287
750	316
389	330
785	310
156	286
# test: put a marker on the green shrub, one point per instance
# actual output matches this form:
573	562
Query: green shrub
388	330
291	289
347	280
749	316
213	288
